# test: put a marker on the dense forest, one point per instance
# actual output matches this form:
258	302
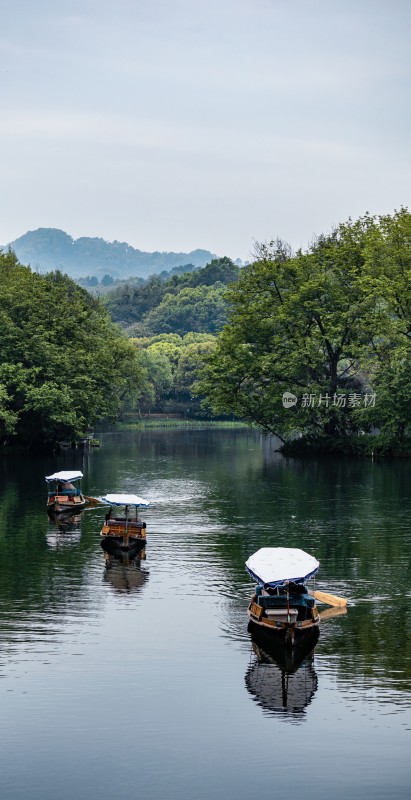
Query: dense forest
190	302
173	323
64	365
99	286
317	349
170	366
313	346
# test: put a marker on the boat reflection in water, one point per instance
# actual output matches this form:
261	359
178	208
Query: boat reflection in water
282	680
124	572
64	530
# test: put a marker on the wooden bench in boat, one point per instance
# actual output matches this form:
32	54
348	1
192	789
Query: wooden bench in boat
63	498
282	614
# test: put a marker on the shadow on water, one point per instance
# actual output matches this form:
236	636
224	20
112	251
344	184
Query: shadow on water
282	680
124	573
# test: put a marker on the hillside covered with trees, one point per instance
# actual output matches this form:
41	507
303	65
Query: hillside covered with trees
49	249
173	324
313	346
190	302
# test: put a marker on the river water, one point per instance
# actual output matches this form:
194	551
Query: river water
141	680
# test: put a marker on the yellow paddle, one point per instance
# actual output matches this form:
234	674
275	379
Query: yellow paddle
93	500
329	599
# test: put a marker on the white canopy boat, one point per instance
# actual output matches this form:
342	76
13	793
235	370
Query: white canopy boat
124	532
63	495
282	605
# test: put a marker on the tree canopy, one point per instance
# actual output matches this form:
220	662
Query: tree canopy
170	365
64	365
193	301
330	326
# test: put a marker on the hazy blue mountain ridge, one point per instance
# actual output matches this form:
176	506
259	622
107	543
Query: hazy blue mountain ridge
48	249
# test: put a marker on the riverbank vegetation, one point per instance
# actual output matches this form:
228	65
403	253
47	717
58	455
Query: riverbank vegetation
317	348
173	323
313	346
64	365
170	365
179	423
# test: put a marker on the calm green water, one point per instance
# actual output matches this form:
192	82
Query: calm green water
142	680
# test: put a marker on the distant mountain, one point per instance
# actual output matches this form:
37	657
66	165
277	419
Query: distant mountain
47	249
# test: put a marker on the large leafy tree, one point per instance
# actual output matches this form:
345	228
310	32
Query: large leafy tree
63	364
387	280
304	323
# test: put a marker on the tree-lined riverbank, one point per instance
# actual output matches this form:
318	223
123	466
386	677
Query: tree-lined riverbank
313	346
317	349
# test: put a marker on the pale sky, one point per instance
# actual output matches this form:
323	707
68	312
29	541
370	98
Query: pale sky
177	124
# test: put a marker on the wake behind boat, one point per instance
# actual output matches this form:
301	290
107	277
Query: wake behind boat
63	495
123	532
282	605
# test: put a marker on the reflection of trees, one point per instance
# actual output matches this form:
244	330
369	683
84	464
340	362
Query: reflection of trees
352	515
375	647
282	681
41	585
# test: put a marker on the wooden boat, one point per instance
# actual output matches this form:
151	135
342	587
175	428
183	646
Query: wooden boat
282	605
63	496
124	532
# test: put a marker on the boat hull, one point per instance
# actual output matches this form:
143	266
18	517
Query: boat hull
71	505
284	625
117	546
288	658
287	637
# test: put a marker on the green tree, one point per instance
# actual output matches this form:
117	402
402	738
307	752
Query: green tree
192	358
299	323
171	364
387	280
158	374
201	309
63	364
137	306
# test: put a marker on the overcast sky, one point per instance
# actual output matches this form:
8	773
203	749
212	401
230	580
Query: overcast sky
176	124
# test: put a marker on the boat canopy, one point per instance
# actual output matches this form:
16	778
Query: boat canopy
275	566
124	500
65	475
